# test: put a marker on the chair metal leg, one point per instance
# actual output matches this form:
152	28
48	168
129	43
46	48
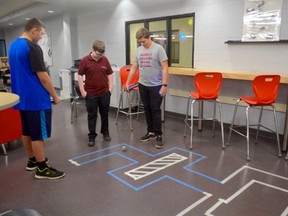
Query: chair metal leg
73	104
200	115
192	120
187	115
259	124
75	110
119	105
4	149
221	123
285	140
247	132
233	121
213	120
130	98
130	111
277	131
71	107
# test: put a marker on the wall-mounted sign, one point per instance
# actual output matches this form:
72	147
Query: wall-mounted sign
262	20
46	44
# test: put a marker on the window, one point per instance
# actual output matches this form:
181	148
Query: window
133	41
174	33
158	30
182	40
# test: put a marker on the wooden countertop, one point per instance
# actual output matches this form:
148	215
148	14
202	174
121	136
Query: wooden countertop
8	100
236	75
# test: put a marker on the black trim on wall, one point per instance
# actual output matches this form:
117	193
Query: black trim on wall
127	43
3	51
254	42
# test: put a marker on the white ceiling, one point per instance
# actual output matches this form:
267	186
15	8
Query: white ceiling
16	11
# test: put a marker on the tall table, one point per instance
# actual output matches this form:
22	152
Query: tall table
8	100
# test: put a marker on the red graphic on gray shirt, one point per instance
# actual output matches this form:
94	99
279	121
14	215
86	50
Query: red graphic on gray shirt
145	59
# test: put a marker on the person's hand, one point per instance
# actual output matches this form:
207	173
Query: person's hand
56	100
163	91
126	87
83	93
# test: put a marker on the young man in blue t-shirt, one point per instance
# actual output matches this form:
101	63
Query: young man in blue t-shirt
30	80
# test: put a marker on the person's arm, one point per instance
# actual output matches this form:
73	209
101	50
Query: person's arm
81	85
48	85
110	78
164	66
132	72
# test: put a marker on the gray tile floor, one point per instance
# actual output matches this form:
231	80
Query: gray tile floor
100	180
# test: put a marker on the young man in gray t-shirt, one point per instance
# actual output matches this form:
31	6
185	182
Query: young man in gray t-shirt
152	61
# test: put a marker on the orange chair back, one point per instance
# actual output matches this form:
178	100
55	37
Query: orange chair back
10	125
208	85
124	72
266	88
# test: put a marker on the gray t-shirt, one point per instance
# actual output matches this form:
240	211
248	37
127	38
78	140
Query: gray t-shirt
149	61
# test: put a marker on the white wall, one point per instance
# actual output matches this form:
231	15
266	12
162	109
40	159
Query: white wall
61	48
216	21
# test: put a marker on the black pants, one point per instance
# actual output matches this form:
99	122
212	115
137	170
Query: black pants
93	103
152	100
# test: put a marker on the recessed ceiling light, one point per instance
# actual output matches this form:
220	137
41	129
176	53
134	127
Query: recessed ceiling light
10	24
50	11
27	18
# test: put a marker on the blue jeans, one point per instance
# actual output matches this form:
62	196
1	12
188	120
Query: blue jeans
152	100
94	102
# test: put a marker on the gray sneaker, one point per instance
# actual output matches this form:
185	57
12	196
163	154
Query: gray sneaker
159	144
148	136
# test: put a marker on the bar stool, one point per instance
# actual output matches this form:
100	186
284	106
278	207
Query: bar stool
265	88
208	85
76	100
133	91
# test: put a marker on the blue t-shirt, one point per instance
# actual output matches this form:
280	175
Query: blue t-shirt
26	60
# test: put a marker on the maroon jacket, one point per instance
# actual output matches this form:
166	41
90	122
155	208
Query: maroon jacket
96	74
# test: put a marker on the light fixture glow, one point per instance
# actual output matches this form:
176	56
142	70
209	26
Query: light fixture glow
182	36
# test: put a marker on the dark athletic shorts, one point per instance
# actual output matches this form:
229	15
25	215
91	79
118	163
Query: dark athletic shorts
36	124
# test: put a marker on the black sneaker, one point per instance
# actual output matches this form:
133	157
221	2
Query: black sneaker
91	142
106	137
147	137
48	173
32	164
159	144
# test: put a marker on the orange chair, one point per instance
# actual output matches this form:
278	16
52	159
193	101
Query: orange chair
265	88
10	126
208	87
124	72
